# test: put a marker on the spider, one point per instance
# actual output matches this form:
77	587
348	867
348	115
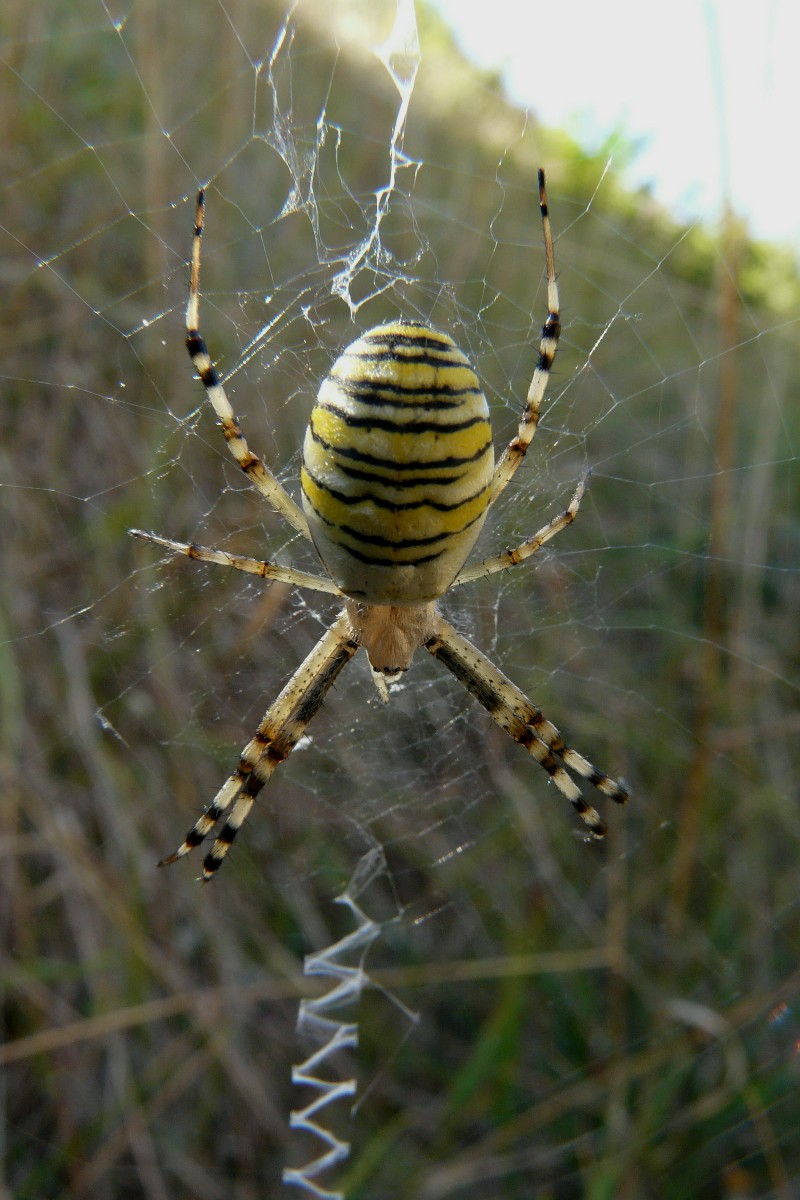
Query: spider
398	475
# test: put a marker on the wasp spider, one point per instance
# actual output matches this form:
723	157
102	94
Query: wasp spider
398	475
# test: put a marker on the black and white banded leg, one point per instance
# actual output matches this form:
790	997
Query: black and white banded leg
256	471
524	722
517	448
283	724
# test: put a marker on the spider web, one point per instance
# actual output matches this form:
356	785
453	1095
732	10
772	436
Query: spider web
539	1013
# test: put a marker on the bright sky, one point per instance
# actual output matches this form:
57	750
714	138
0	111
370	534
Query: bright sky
713	86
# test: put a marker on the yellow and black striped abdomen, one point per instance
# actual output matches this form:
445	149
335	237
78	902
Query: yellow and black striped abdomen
397	465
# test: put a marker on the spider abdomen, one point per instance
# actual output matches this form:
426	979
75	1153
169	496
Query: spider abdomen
397	465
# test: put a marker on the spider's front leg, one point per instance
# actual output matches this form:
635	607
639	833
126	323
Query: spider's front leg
524	722
283	724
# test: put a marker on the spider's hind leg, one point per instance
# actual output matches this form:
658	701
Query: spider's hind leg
254	468
517	448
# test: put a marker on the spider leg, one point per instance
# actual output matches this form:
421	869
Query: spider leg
282	726
257	472
253	566
517	448
524	722
512	558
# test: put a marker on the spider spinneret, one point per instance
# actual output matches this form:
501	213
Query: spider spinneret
398	475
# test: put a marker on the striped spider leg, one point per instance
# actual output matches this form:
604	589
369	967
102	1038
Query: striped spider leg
524	722
281	727
517	448
251	566
284	722
521	553
398	475
256	471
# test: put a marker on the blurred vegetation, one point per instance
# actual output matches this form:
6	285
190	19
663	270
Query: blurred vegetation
612	1020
